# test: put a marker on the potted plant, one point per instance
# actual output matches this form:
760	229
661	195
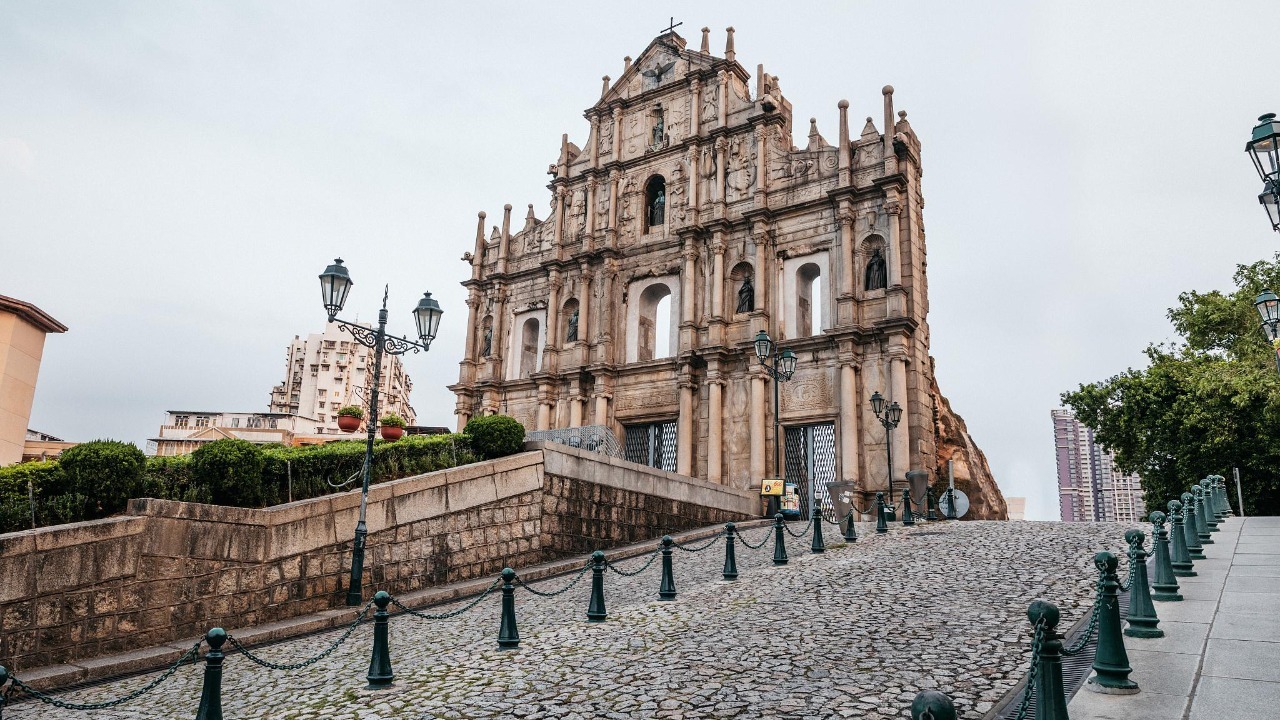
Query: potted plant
392	427
349	418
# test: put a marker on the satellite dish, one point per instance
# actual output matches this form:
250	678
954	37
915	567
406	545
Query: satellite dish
962	503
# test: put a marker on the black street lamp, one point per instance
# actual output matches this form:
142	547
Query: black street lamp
780	365
1264	150
1268	306
889	418
335	283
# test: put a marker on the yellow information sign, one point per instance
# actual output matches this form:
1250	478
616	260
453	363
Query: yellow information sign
771	486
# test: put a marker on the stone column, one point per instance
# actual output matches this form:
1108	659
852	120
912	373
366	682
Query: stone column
500	324
847	278
591	212
902	433
843	153
760	197
602	410
473	307
504	239
894	259
553	317
595	141
687	292
724	100
584	305
544	406
721	150
477	258
558	239
890	159
575	407
613	200
695	110
849	409
608	310
717	276
715	431
757	427
684	441
617	134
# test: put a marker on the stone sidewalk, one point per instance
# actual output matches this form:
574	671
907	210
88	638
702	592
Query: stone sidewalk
1220	656
854	632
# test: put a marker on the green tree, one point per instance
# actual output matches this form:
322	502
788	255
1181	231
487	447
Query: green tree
105	472
1205	404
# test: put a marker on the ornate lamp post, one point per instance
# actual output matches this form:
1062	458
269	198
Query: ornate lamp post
780	365
1264	150
335	283
889	418
1268	306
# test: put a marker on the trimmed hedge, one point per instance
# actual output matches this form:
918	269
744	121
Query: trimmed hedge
227	472
107	472
495	436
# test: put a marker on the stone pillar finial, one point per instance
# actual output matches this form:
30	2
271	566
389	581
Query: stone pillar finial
604	90
706	41
626	63
729	54
506	222
887	91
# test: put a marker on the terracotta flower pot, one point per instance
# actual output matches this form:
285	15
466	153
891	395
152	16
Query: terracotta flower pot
391	433
348	423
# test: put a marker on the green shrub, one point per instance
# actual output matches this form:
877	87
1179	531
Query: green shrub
354	411
107	472
172	478
392	420
494	436
19	482
231	470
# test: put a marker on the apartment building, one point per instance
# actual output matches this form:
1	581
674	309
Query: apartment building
1090	486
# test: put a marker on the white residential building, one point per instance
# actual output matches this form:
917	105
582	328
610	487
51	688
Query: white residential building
185	430
328	371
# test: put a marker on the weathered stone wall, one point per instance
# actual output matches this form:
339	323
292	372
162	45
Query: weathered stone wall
171	570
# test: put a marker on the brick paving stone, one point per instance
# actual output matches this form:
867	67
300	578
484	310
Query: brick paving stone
852	633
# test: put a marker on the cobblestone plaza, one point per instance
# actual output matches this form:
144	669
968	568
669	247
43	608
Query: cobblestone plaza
852	633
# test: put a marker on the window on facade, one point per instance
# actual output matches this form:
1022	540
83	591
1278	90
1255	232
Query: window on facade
655	196
529	333
652	444
181	420
809	307
235	422
202	421
654	334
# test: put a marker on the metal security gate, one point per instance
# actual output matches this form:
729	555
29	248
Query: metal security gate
652	444
811	462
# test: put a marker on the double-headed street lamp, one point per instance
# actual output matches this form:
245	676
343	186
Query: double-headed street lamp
780	365
335	283
1264	149
889	417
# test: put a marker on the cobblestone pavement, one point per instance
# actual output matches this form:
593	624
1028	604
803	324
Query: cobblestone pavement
852	633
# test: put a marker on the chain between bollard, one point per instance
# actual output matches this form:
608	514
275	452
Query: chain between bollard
361	617
767	536
553	593
710	542
451	613
1079	644
802	533
1037	644
624	573
187	657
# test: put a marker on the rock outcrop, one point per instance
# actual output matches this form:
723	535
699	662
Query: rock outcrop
969	464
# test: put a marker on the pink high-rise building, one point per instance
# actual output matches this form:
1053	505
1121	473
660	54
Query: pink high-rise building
1090	486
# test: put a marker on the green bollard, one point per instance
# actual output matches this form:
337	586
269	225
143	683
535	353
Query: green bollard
508	633
1051	695
1206	500
1220	489
1202	515
931	505
951	505
1181	559
932	705
1142	619
907	519
667	587
1189	527
211	693
818	545
779	548
595	609
730	559
1165	584
881	525
1110	661
380	675
850	529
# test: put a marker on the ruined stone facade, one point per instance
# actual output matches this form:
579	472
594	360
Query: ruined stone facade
625	307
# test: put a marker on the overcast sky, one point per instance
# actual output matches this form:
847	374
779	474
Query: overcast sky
173	176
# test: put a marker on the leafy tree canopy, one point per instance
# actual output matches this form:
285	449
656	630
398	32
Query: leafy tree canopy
1206	404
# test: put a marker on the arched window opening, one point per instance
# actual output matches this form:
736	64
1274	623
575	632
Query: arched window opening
529	347
654	334
743	282
655	203
571	330
808	300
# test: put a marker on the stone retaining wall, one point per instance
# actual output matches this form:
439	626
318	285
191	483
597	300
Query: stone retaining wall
170	570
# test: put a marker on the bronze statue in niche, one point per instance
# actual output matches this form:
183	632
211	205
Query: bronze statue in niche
876	276
746	295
